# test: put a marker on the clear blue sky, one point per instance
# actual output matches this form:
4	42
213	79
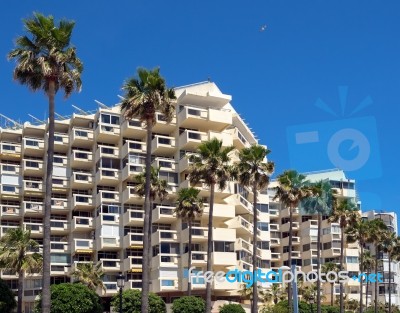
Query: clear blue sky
276	76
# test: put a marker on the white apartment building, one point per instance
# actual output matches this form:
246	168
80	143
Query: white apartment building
97	217
390	219
305	230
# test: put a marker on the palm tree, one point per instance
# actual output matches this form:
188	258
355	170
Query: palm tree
368	266
210	165
378	231
330	267
291	190
254	171
144	97
390	245
321	202
90	275
345	212
16	255
189	206
275	294
360	231
158	188
47	62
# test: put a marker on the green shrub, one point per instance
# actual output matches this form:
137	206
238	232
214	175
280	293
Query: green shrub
7	300
76	298
231	308
131	302
189	305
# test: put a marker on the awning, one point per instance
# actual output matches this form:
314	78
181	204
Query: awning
136	270
84	251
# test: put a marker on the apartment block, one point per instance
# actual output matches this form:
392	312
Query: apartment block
390	219
97	217
305	231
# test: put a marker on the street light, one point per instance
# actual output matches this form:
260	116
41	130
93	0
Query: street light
311	303
120	284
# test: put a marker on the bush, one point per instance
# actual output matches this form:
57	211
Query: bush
304	307
76	298
131	302
231	308
189	305
7	300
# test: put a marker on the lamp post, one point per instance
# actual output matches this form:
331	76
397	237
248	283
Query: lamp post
311	303
120	284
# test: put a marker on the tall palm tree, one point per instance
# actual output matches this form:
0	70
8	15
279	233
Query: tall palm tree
321	202
378	232
211	166
146	95
360	232
390	246
368	266
331	267
189	206
47	61
254	171
345	212
15	255
275	293
291	190
158	188
90	275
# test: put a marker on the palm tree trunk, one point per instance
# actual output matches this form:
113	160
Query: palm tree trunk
289	292
361	271
151	231
341	269
332	286
376	281
20	290
210	247
47	203
254	308
319	263
189	291
366	291
390	285
146	230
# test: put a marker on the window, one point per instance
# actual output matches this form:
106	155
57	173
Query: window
224	246
32	143
110	119
262	207
335	229
263	226
169	177
8	188
351	259
263	245
167	283
60	258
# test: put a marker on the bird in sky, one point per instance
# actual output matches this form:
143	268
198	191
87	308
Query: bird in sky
264	27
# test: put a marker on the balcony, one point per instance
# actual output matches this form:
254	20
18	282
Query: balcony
105	196
273	212
209	118
32	188
133	129
82	201
162	126
10	211
81	137
10	192
81	180
285	228
107	133
133	263
285	212
32	167
222	212
295	254
163	145
134	284
133	146
225	137
106	152
199	234
199	258
165	260
108	176
165	285
310	224
81	159
33	146
133	240
36	229
239	141
275	242
110	265
61	142
60	185
59	246
10	151
191	139
274	227
57	269
243	206
164	236
130	196
107	218
331	253
82	223
59	227
82	246
131	170
111	289
163	214
164	164
225	285
59	204
242	226
275	256
10	169
107	243
133	217
242	244
5	228
32	208
295	241
205	190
